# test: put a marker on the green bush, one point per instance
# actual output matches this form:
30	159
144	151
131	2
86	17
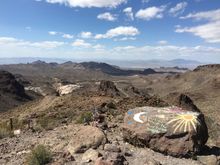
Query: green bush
39	156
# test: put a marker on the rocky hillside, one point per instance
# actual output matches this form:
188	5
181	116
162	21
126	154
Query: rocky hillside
40	71
12	93
160	119
114	70
97	124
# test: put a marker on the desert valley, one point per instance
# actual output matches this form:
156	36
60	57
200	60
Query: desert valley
80	112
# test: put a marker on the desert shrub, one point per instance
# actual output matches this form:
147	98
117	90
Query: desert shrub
85	117
40	155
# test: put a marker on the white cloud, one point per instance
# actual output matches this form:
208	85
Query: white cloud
125	39
63	35
150	13
178	9
107	16
129	13
88	3
162	42
212	15
67	36
53	33
98	47
86	35
81	43
9	41
119	31
166	52
9	46
47	44
209	31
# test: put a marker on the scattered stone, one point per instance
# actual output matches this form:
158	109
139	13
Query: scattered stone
102	162
90	155
170	130
114	158
112	148
68	157
87	137
208	160
152	162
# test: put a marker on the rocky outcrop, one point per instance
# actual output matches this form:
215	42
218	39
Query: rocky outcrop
186	102
108	88
8	84
12	93
204	67
170	130
87	137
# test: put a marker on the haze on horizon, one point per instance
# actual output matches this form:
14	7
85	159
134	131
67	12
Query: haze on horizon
111	30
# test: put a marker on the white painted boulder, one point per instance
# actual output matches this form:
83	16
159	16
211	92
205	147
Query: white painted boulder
170	130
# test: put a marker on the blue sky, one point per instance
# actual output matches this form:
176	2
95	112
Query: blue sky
113	29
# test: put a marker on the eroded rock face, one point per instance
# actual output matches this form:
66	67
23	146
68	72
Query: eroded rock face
8	84
108	88
87	137
170	130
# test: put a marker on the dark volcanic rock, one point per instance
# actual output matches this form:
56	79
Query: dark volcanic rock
8	84
12	93
185	102
170	130
108	88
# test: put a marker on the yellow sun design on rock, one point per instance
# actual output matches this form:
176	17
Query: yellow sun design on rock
185	122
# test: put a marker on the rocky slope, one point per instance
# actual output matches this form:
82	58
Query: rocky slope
96	122
12	93
85	127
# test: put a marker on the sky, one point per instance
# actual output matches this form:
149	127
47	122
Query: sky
111	29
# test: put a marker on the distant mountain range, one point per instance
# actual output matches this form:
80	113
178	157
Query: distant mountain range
121	63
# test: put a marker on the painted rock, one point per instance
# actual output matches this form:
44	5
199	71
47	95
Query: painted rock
170	130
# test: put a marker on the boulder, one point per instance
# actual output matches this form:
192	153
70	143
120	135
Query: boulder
209	160
114	158
87	137
112	148
90	155
169	130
